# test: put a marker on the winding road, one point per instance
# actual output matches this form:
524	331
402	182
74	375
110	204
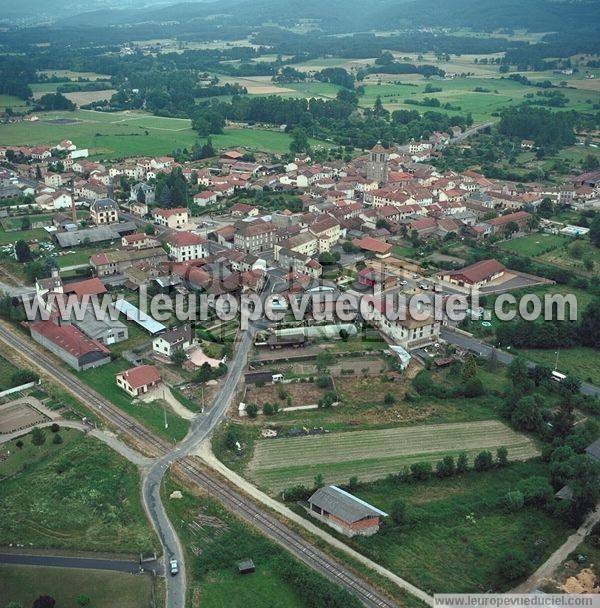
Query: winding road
163	455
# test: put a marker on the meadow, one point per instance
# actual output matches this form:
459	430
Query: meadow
122	134
458	529
23	584
75	495
372	454
536	244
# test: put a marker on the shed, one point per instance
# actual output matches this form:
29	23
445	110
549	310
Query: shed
246	566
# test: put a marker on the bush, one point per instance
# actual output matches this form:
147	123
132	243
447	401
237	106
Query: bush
483	461
252	410
513	565
445	467
514	501
536	490
57	439
502	456
389	399
462	463
473	388
296	493
55	427
23	376
421	471
324	381
398	512
38	437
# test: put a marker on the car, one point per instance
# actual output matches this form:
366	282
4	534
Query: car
174	567
424	286
403	282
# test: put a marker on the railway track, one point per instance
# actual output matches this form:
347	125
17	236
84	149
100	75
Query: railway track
192	472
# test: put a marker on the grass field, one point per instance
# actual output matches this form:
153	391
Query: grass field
23	584
581	361
536	244
7	369
120	134
458	529
213	550
102	379
564	257
77	495
9	101
372	454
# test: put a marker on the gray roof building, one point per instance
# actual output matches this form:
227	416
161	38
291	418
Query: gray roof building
341	504
105	330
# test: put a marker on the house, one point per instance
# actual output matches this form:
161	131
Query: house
173	339
327	230
371	245
208	197
410	331
527	144
54	200
498	224
476	275
70	344
54	180
244	210
255	236
138	380
142	193
115	262
104	211
344	512
177	217
139	240
370	277
104	329
304	243
184	246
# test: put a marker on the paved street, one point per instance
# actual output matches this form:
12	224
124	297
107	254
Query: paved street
85	563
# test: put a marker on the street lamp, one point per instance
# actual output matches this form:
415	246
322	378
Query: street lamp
556	364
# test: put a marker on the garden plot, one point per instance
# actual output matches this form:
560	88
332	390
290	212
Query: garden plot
373	454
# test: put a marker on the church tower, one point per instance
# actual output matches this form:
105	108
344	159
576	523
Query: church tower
377	168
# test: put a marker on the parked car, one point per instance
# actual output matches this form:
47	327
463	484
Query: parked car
174	567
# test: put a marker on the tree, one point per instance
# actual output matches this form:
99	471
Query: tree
299	141
445	467
473	388
540	373
178	357
22	251
55	427
527	415
589	326
319	482
25	223
513	565
502	456
38	437
44	601
57	439
252	410
594	232
462	463
469	369
536	490
19	443
398	512
513	501
83	600
483	461
421	471
389	399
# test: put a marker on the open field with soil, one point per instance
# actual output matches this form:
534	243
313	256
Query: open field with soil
280	463
24	584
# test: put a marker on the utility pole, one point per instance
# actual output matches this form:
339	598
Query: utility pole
165	414
556	364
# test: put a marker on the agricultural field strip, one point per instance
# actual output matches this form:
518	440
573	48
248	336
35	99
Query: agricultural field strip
385	443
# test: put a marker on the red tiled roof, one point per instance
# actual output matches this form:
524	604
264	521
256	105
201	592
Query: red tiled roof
511	217
478	272
370	244
169	212
68	338
140	376
91	287
184	239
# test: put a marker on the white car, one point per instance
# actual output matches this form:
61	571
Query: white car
403	282
174	567
424	286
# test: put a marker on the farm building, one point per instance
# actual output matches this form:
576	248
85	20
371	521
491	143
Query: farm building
475	275
70	345
344	512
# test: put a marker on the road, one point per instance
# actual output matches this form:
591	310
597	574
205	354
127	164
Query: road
85	563
191	471
485	350
470	132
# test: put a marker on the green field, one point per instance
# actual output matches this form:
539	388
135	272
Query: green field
536	244
24	584
76	495
121	134
213	549
580	361
372	454
7	369
102	379
9	101
458	529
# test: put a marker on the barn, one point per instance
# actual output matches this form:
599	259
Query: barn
344	512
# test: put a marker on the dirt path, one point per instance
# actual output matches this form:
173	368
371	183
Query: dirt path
205	453
547	569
